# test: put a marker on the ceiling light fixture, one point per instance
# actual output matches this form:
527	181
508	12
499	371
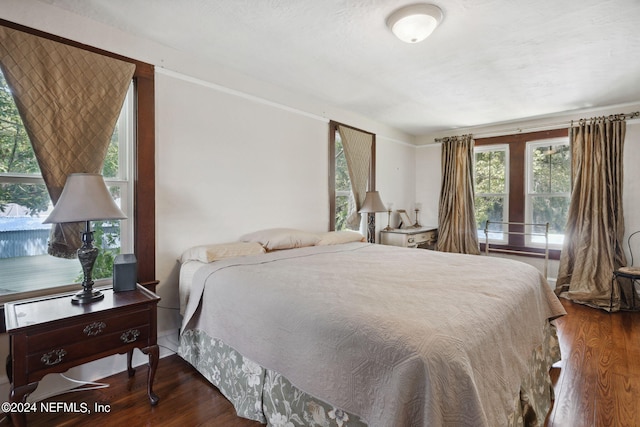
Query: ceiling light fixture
415	22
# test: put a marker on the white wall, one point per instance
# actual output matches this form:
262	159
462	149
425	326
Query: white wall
396	177
428	181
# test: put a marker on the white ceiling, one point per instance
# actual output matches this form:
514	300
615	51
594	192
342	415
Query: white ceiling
489	61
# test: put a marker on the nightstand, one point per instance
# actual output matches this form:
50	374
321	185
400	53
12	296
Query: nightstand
50	334
424	237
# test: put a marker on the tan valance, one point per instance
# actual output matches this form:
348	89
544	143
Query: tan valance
357	150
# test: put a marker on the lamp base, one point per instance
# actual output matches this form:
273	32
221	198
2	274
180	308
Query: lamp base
371	227
87	254
87	296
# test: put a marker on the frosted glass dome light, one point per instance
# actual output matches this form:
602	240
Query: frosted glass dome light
415	22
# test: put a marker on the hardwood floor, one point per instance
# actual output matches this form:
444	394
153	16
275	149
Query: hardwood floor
186	399
596	384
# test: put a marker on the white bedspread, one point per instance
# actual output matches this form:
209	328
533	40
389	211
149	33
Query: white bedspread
400	337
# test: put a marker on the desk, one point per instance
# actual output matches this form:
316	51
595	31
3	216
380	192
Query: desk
50	334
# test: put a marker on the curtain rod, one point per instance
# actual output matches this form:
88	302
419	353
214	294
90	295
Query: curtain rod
621	116
550	126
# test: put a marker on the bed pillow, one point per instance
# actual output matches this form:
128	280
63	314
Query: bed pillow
282	238
210	253
339	237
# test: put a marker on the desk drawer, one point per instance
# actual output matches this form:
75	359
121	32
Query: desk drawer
410	238
86	330
426	237
58	356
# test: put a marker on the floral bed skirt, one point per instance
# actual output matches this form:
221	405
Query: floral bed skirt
268	397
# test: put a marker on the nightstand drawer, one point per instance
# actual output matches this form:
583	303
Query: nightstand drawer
426	237
83	331
60	355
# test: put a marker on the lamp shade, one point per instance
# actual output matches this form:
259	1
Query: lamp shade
85	197
415	22
372	203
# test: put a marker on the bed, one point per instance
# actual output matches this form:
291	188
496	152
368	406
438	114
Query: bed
358	334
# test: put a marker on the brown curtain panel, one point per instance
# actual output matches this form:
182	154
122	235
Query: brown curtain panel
593	245
456	212
357	150
69	100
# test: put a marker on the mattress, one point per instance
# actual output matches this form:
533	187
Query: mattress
384	336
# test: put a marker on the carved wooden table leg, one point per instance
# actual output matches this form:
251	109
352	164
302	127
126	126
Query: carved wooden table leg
130	369
9	365
19	395
154	354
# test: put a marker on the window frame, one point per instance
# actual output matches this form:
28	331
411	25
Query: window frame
142	176
518	182
339	193
371	185
531	145
493	148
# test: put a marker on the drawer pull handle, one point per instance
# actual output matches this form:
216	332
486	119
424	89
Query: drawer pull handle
94	328
130	336
53	357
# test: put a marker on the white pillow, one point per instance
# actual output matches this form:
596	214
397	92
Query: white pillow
210	253
339	237
282	238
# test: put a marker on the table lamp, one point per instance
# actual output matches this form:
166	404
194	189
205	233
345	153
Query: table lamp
85	198
372	204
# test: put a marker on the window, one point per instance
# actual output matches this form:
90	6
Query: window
341	196
343	193
548	188
523	178
491	169
141	196
25	203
